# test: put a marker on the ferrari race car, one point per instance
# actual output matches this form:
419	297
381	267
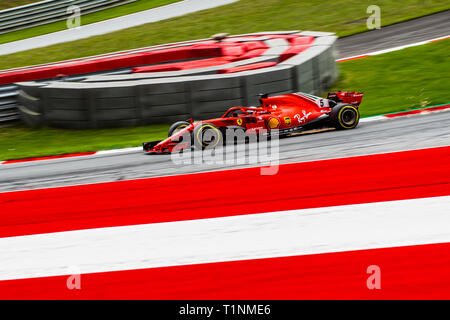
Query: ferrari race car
283	114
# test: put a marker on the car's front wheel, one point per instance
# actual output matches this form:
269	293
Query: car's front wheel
207	136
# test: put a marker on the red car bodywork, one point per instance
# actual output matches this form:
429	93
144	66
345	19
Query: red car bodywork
285	113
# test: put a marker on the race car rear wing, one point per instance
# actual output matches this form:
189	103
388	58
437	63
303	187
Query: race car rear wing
351	97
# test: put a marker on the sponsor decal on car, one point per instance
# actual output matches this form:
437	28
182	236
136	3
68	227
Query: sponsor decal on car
273	123
302	118
239	121
287	121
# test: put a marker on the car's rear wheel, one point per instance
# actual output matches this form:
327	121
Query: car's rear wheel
177	126
344	117
207	136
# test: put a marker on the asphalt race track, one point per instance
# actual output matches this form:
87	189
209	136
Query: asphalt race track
407	133
399	34
106	26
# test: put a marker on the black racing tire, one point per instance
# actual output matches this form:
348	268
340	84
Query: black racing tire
207	136
344	117
177	126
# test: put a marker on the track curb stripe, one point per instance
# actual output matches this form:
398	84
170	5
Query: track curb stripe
407	272
80	154
296	186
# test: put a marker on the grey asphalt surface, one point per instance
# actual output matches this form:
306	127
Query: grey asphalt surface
408	32
94	29
390	135
415	132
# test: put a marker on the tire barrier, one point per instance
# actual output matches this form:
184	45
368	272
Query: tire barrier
197	79
8	103
43	12
9	106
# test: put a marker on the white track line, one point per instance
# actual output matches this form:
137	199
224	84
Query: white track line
374	53
123	150
276	234
370	119
407	113
165	12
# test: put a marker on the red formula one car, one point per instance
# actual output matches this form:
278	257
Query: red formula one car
282	114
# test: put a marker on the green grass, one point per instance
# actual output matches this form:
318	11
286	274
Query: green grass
395	81
401	80
6	4
115	12
19	142
344	17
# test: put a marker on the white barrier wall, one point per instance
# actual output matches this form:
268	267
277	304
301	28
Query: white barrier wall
146	98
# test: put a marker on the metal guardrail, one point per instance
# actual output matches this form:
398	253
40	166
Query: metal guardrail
39	13
49	11
8	103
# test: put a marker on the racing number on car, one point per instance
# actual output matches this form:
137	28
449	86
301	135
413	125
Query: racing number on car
321	102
